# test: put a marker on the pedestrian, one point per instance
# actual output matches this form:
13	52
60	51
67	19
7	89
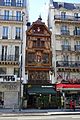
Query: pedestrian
71	104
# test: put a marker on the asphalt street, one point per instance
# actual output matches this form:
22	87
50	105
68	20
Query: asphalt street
52	117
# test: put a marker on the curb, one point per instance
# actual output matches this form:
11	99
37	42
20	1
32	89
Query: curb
38	114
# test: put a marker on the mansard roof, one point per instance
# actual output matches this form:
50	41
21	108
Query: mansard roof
69	6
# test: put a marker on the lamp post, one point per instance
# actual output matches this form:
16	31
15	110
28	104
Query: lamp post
20	65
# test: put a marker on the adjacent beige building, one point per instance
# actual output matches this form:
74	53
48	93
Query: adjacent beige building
13	18
64	21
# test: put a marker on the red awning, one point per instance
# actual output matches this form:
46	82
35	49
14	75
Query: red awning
67	86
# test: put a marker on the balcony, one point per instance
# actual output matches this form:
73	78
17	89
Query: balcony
10	18
68	64
17	37
7	3
5	37
12	3
76	32
8	58
67	17
77	48
66	47
65	32
38	82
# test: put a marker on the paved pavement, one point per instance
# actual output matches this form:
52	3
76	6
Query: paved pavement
36	112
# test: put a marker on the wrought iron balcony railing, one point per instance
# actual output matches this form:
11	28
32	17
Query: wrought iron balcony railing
68	64
10	18
8	58
77	47
67	17
65	32
76	32
12	3
66	47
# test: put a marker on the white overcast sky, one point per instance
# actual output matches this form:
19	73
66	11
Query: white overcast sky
37	7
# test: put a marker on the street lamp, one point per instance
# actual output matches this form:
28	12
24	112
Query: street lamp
20	65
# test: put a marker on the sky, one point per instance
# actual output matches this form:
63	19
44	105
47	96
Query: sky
38	7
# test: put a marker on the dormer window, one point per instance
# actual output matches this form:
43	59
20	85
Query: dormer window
63	15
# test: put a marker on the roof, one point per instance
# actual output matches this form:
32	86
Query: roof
39	23
69	6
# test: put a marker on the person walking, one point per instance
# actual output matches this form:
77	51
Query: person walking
71	104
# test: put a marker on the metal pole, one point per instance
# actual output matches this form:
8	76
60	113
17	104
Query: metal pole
20	63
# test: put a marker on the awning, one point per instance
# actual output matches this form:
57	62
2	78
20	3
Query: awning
41	90
67	86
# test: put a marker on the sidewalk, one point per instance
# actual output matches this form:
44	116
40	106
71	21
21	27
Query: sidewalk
37	112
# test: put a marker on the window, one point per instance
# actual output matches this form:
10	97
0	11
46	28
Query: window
63	15
31	57
64	30
18	32
78	58
7	2
6	15
18	15
63	27
4	53
76	16
77	42
77	31
2	70
19	3
45	58
66	60
16	71
5	33
38	42
34	43
65	57
65	42
42	43
17	53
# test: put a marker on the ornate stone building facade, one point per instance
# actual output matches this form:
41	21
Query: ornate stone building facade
64	21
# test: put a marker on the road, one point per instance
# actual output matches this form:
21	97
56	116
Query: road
52	117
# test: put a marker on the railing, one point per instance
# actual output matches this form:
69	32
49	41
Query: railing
77	47
65	32
8	58
17	4
66	47
4	37
39	81
10	18
68	64
76	32
17	37
67	17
